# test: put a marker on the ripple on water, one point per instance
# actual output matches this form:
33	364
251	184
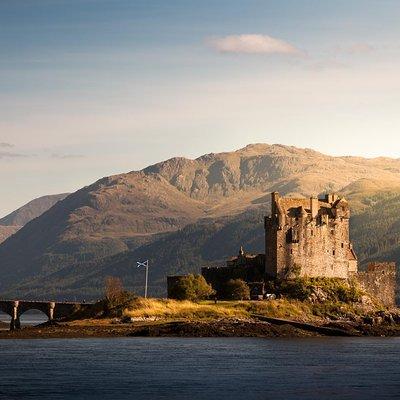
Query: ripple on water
200	368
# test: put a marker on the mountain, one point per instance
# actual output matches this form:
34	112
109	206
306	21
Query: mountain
205	242
167	212
12	222
7	231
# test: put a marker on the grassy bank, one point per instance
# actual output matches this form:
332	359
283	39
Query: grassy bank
314	300
207	310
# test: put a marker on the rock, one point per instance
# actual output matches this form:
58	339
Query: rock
318	295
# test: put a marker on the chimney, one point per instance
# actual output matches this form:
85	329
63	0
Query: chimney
331	198
314	206
274	201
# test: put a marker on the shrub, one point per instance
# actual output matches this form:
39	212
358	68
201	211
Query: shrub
333	289
295	289
191	287
113	288
237	289
116	297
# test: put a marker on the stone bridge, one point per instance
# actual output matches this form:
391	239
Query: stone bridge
53	309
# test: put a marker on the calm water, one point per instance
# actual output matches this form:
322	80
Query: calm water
204	368
29	318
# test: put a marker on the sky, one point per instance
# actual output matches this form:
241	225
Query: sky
91	88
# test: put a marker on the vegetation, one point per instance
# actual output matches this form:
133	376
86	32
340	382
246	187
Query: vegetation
279	308
116	297
237	289
376	230
320	289
113	288
192	287
303	299
176	309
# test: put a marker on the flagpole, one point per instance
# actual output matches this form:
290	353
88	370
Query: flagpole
147	275
146	265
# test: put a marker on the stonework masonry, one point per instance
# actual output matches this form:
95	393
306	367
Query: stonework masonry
379	280
309	237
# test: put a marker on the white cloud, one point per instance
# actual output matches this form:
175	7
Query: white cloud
4	144
356	48
66	156
7	154
253	44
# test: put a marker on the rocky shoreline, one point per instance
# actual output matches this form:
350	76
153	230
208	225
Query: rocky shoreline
273	328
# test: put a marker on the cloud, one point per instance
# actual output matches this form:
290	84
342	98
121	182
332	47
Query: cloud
323	65
7	154
66	156
6	145
253	44
356	48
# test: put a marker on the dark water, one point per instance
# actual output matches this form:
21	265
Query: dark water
204	368
29	318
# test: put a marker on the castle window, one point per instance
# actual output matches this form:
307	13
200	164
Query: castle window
342	245
312	232
332	231
291	251
333	252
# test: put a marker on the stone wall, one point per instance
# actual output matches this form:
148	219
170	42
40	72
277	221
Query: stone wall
380	281
217	277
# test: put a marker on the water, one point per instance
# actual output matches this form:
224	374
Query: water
200	368
28	318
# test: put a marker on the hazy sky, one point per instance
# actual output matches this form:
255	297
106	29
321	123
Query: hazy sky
90	88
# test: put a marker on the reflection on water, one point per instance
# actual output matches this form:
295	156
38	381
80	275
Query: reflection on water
29	318
200	368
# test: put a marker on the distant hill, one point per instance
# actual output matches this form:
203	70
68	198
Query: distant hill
31	210
206	242
7	231
183	213
376	230
14	221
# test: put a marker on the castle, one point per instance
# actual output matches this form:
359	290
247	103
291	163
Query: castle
309	237
305	237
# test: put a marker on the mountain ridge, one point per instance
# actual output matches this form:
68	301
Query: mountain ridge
126	212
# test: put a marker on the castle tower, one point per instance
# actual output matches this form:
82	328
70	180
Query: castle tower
309	237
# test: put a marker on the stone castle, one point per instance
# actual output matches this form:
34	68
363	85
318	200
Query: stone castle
305	237
309	237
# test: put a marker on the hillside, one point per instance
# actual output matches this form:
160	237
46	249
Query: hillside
182	213
14	221
31	210
7	231
208	241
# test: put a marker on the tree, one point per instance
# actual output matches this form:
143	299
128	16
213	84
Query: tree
237	289
114	289
191	287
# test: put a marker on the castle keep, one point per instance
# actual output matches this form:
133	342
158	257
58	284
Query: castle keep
309	237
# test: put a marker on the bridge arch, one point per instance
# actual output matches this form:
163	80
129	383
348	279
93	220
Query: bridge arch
45	308
5	318
32	316
5	308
